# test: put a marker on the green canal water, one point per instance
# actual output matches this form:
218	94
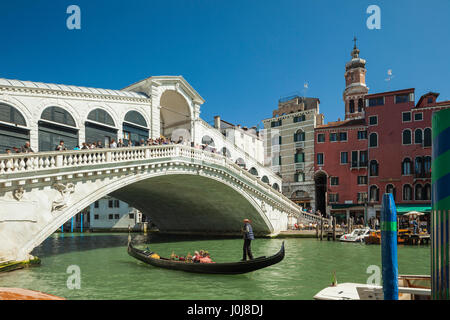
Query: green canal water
108	272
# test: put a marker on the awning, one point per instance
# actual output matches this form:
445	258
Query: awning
405	208
346	205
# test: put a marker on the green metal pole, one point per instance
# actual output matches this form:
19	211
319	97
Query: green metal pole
440	179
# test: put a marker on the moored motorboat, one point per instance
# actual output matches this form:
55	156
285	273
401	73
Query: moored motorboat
211	268
356	235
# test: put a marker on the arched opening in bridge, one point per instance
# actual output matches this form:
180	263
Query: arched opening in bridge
241	163
57	124
175	113
302	198
225	152
13	131
100	126
181	135
265	179
276	186
320	179
135	128
253	171
208	143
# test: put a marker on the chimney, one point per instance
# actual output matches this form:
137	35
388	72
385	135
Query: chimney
217	122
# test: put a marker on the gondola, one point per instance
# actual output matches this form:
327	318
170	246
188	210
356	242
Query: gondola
211	268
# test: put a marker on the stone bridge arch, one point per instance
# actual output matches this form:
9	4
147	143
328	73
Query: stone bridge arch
172	187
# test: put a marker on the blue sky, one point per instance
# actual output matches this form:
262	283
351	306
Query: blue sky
241	56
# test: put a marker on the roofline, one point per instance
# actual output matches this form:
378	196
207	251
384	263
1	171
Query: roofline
389	92
179	78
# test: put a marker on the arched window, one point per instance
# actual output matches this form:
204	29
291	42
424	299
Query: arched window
352	106
418	166
265	179
427	192
299	136
360	104
407	192
373	140
374	194
406	136
11	115
427	164
276	187
100	126
135	129
419	192
57	124
253	171
135	118
418	136
101	116
427	137
10	134
390	189
373	168
406	167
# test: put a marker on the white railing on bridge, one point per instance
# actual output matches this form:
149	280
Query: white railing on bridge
14	166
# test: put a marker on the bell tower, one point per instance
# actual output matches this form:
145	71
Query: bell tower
355	85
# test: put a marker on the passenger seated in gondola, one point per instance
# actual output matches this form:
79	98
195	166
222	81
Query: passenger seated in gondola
196	257
205	258
173	256
189	257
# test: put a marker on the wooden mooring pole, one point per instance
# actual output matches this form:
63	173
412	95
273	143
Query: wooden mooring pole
334	228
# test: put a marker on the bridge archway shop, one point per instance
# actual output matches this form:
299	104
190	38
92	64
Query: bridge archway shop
57	124
175	113
135	128
13	128
100	126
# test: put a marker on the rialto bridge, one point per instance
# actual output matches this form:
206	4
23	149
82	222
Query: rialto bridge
182	188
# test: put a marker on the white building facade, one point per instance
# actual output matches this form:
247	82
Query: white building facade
109	213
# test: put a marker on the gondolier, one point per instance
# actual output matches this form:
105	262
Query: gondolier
248	237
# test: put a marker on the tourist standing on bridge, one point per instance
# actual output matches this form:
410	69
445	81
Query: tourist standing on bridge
61	146
248	237
26	148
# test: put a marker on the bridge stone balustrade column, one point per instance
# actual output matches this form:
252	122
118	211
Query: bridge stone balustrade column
59	160
108	156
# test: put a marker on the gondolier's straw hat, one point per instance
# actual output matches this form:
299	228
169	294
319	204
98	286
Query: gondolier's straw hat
246	220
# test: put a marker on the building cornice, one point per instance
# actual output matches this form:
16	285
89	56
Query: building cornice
46	92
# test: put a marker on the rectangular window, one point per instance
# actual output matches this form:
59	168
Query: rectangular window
320	158
299	157
376	101
373	120
131	216
406	116
402	98
334	181
299	177
110	203
418	116
96	216
344	157
116	216
362	197
116	204
274	124
333	136
110	217
362	179
300	118
96	204
362	135
363	159
334	197
343	136
354	159
321	137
